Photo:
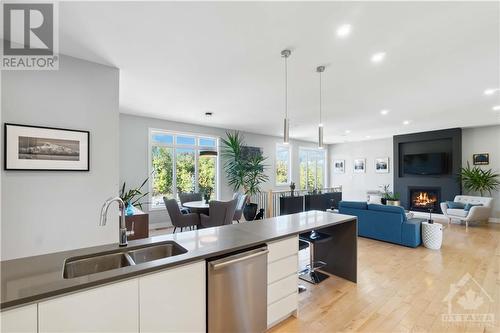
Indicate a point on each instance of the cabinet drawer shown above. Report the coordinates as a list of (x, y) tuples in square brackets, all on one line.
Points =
[(282, 288), (282, 248), (282, 268), (281, 309)]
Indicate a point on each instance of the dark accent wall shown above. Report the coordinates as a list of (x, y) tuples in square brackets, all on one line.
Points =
[(444, 141)]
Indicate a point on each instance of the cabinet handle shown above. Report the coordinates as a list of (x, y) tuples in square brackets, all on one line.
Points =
[(236, 260)]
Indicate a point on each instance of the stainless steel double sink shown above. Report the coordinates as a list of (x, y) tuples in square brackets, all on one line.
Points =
[(101, 262)]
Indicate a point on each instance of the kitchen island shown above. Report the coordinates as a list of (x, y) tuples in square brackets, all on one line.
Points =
[(33, 281)]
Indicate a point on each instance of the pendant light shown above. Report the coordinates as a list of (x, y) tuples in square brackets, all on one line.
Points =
[(286, 123), (320, 69)]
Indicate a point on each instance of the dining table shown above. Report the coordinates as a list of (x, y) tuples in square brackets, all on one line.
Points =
[(197, 206)]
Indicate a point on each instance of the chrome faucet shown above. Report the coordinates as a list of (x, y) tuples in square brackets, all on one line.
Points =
[(123, 233)]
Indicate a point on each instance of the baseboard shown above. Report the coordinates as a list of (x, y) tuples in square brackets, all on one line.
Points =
[(160, 225), (494, 220)]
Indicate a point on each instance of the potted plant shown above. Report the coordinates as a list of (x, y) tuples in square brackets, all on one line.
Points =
[(243, 172), (206, 192), (392, 199), (132, 197), (479, 180), (385, 194), (292, 189)]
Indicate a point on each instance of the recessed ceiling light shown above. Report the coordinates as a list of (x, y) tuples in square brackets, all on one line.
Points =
[(496, 108), (406, 122), (368, 136), (384, 112), (344, 30), (491, 91), (378, 57), (347, 131)]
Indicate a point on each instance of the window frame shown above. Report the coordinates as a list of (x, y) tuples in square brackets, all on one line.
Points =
[(289, 164), (196, 147), (325, 168)]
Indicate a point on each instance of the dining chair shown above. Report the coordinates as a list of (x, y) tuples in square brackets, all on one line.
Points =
[(220, 213), (180, 220), (241, 199), (187, 197)]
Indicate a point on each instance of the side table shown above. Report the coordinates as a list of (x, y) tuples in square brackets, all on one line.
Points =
[(432, 235)]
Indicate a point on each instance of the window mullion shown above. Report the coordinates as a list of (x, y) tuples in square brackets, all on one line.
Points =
[(196, 182)]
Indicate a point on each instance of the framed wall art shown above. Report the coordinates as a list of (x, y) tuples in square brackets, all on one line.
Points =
[(45, 148)]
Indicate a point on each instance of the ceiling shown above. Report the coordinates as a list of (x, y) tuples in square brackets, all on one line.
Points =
[(180, 60)]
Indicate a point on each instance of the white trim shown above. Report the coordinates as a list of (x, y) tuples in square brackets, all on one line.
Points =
[(289, 163), (494, 220)]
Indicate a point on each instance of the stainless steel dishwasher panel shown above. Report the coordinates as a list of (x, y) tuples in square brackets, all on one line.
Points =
[(237, 293)]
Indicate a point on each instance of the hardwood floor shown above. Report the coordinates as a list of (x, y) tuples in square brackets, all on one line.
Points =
[(401, 289)]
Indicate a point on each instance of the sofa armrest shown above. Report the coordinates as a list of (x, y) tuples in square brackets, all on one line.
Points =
[(479, 213), (410, 232), (444, 208)]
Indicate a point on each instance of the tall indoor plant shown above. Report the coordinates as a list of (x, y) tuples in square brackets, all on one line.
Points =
[(243, 172), (479, 180)]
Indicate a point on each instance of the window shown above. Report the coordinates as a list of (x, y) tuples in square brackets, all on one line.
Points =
[(282, 166), (181, 163), (312, 168)]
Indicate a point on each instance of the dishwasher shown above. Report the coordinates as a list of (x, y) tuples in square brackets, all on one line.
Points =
[(237, 292)]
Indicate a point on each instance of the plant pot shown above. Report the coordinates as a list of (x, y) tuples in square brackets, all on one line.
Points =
[(250, 211), (383, 201), (393, 203)]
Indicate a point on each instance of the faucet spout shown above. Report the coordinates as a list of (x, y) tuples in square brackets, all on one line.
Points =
[(122, 231)]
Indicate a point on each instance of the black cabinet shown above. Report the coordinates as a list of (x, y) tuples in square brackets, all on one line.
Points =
[(323, 201), (291, 205)]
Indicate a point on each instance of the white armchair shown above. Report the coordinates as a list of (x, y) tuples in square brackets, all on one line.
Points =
[(475, 214)]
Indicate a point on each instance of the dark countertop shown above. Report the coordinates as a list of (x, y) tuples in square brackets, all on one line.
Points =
[(32, 279)]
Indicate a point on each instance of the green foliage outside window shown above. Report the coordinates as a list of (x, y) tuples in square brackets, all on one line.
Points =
[(206, 174), (281, 172), (162, 167), (185, 171)]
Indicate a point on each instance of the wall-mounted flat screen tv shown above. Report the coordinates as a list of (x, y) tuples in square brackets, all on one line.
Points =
[(426, 164)]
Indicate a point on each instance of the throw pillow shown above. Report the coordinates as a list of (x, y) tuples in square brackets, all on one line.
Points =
[(469, 206), (455, 205)]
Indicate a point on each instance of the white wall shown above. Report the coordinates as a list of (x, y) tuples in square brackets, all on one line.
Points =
[(484, 140), (355, 185), (46, 212), (134, 153)]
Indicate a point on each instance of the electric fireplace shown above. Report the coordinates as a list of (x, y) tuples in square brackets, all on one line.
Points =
[(423, 199)]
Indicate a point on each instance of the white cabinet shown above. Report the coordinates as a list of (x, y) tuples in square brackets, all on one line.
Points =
[(282, 280), (109, 308), (23, 319), (174, 300)]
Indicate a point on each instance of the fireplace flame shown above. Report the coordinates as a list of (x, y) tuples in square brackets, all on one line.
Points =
[(423, 199)]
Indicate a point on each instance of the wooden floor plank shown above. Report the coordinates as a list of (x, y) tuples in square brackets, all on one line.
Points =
[(401, 289)]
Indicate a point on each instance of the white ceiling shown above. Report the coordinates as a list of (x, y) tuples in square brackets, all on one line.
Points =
[(179, 60)]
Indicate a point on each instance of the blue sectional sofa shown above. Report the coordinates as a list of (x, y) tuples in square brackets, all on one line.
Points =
[(385, 223)]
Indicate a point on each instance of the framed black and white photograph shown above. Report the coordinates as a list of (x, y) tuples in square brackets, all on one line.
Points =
[(359, 165), (382, 165), (45, 148), (481, 159), (338, 166)]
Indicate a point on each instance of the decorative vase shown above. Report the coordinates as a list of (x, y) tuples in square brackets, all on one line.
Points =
[(393, 203), (383, 201), (207, 199), (129, 211), (250, 211)]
